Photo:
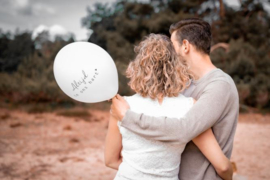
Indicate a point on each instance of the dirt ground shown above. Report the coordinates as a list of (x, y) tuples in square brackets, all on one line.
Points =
[(50, 146)]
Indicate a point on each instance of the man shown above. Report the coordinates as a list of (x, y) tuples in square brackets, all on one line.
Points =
[(217, 105)]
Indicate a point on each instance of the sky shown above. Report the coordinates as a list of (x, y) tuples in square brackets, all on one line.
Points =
[(56, 16)]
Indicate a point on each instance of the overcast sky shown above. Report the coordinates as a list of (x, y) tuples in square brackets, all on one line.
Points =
[(29, 14)]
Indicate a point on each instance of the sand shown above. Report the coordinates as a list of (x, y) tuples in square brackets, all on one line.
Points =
[(49, 146)]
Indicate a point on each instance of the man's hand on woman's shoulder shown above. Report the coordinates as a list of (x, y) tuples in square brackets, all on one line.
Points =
[(119, 107)]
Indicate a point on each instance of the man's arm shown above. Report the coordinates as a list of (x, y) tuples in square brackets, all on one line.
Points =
[(209, 108)]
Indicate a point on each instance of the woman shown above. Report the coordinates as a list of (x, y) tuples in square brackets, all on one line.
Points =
[(158, 77)]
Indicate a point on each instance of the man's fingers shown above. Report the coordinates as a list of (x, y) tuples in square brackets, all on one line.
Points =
[(120, 97), (114, 99)]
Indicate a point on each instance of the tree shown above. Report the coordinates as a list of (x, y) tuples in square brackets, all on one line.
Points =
[(14, 50)]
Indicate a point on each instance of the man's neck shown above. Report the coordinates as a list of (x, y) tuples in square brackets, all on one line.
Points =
[(200, 65)]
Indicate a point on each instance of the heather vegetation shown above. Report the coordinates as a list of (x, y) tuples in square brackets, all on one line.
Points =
[(240, 47)]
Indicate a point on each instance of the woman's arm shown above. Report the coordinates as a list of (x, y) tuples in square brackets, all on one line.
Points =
[(113, 145), (209, 146)]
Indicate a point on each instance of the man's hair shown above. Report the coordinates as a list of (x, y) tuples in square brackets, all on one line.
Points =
[(196, 31)]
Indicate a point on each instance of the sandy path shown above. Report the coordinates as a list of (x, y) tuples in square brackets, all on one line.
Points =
[(252, 146), (47, 146)]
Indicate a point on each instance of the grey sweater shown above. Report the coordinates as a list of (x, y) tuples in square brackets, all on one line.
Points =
[(217, 106)]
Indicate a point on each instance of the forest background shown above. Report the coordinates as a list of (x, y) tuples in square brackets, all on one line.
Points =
[(240, 47)]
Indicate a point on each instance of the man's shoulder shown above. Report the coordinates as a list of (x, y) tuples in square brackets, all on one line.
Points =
[(219, 74), (225, 84), (222, 78)]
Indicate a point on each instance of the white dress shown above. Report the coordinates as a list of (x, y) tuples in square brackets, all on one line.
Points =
[(145, 159)]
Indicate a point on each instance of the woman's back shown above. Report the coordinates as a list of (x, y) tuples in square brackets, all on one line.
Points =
[(147, 159)]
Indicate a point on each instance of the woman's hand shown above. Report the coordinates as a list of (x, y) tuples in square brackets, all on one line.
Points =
[(210, 148)]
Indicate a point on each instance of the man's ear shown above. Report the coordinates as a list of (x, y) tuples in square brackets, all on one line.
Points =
[(185, 46)]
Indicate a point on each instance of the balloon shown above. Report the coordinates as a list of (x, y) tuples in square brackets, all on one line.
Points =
[(86, 72)]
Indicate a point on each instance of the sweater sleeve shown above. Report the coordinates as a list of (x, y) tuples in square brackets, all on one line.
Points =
[(210, 107)]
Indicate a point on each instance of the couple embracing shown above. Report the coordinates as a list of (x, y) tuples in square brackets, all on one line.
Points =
[(180, 123)]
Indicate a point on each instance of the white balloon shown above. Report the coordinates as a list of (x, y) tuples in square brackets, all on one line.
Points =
[(86, 72)]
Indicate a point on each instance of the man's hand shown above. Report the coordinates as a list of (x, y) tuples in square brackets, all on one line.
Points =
[(119, 107)]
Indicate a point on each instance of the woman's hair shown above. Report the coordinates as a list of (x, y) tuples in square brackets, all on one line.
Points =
[(157, 70)]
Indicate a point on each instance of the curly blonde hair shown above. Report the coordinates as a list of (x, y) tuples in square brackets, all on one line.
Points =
[(157, 71)]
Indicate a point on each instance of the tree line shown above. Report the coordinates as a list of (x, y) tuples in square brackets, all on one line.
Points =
[(240, 46)]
